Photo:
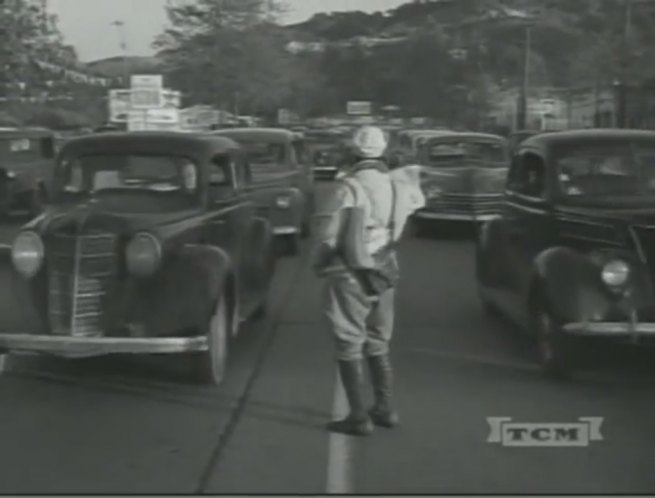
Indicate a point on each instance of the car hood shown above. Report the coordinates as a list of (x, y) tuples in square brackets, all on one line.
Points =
[(89, 217), (626, 216)]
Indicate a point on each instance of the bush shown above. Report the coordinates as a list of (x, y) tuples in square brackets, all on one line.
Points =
[(8, 120), (58, 119)]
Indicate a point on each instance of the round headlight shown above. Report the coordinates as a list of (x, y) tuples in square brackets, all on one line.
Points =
[(143, 255), (27, 253), (615, 273)]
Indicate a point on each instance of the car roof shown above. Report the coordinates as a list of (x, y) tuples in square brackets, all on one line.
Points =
[(165, 142), (572, 136), (276, 135), (469, 134), (12, 132)]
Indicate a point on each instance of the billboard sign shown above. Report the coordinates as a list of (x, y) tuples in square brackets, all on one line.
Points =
[(119, 105), (147, 81), (359, 108)]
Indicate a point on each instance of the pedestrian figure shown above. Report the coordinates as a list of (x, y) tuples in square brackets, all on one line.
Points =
[(356, 257)]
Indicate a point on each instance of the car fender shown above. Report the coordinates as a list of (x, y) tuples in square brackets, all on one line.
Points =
[(22, 301), (569, 283), (184, 293)]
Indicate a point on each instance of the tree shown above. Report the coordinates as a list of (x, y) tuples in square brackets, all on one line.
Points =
[(228, 53)]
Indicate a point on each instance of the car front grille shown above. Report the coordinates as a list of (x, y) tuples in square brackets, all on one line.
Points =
[(467, 204), (80, 272)]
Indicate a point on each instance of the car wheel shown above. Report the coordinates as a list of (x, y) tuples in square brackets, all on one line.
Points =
[(488, 307), (553, 350), (306, 229), (213, 362), (292, 244)]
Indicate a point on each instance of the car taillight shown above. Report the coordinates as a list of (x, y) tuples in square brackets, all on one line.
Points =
[(143, 255), (27, 253), (283, 202)]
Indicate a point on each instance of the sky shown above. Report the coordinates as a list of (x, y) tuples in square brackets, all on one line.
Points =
[(87, 24)]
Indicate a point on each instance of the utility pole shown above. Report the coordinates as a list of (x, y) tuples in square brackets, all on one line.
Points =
[(622, 84), (120, 26), (522, 114)]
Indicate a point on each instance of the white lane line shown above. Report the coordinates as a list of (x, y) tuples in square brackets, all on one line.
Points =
[(477, 359), (340, 448)]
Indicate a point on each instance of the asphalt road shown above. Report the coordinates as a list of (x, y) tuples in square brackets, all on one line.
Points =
[(140, 425)]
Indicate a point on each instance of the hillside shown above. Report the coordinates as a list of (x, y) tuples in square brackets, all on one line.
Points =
[(114, 67)]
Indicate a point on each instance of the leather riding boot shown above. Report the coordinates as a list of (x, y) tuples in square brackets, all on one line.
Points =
[(358, 422), (382, 413)]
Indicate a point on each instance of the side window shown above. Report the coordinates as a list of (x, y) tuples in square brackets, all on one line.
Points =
[(221, 177), (528, 175), (241, 170)]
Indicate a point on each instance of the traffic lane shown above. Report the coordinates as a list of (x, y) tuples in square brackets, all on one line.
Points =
[(280, 444), (456, 367), (125, 424)]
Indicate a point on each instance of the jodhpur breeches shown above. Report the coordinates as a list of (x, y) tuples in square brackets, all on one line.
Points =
[(361, 327)]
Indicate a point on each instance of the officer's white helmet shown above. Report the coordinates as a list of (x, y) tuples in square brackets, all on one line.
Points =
[(369, 142)]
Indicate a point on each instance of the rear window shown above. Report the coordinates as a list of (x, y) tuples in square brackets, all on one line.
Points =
[(26, 149), (440, 153), (266, 159)]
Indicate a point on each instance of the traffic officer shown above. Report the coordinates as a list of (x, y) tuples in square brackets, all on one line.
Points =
[(361, 320)]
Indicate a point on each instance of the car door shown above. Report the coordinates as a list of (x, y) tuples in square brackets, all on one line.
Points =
[(528, 218), (226, 208)]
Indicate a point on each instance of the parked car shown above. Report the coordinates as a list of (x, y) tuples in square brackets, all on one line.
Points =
[(27, 158), (572, 256), (328, 152), (463, 177), (283, 181), (151, 244)]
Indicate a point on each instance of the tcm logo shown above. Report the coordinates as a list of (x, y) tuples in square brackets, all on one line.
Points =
[(509, 433)]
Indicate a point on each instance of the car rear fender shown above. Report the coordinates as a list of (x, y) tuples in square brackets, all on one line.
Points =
[(489, 249)]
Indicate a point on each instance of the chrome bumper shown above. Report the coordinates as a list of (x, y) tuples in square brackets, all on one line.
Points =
[(454, 217), (285, 230), (99, 346), (610, 328)]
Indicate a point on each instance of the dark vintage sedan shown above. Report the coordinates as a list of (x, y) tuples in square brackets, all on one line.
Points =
[(27, 157), (151, 244), (572, 255), (283, 181), (463, 177)]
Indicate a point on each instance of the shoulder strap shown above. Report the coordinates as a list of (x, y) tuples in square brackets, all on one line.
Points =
[(392, 218)]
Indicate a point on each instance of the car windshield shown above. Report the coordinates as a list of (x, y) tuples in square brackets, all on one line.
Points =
[(455, 152), (128, 172), (617, 171)]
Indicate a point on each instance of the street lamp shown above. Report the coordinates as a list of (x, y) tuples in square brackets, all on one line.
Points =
[(120, 27)]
